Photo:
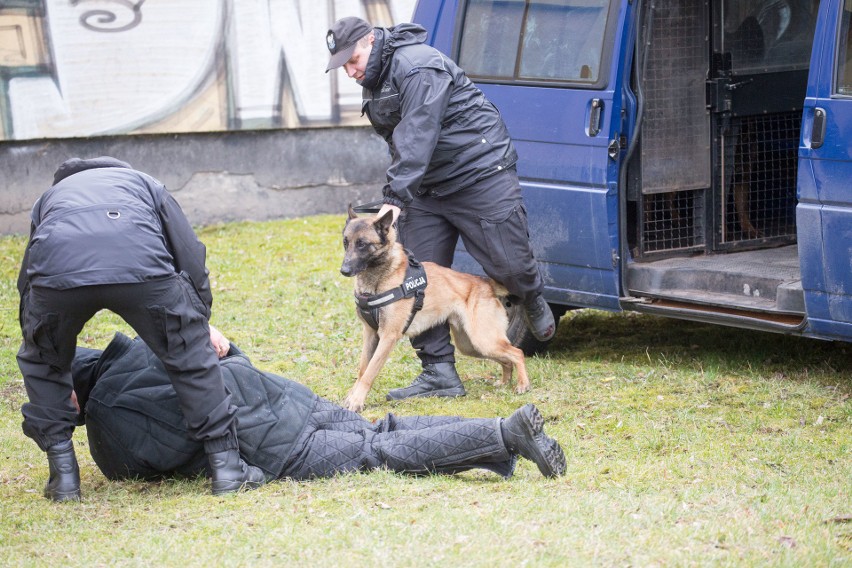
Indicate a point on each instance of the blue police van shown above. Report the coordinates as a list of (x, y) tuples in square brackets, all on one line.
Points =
[(685, 158)]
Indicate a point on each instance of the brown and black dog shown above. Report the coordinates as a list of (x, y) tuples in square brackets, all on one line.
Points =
[(471, 305)]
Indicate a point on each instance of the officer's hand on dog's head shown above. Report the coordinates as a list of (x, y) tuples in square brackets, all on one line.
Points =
[(388, 207)]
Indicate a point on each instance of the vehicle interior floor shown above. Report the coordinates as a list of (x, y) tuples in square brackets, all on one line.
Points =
[(766, 280)]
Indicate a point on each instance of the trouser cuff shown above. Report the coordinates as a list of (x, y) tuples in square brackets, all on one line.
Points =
[(48, 443), (225, 443), (429, 360)]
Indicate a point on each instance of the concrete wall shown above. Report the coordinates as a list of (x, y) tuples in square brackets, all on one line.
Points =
[(216, 177)]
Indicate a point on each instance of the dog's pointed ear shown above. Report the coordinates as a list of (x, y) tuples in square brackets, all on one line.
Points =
[(352, 214), (385, 221)]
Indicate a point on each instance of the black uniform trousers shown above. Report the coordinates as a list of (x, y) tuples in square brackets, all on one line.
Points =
[(167, 314), (491, 220), (336, 440)]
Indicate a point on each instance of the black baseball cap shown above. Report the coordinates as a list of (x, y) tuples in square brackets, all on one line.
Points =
[(342, 38)]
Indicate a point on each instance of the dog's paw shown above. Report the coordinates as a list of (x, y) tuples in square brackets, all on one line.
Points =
[(353, 403), (521, 389), (493, 379)]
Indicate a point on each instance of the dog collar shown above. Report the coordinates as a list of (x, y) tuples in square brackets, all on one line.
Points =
[(414, 285)]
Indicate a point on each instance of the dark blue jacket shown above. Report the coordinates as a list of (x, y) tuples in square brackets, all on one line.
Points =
[(103, 222), (443, 134)]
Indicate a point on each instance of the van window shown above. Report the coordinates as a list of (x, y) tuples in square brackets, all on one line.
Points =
[(844, 63), (769, 35), (534, 40)]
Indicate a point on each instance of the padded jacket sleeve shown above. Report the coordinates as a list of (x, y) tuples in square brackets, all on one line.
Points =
[(189, 253), (424, 95), (23, 279)]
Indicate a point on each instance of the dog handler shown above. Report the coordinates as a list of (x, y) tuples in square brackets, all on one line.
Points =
[(106, 236), (136, 426), (452, 174)]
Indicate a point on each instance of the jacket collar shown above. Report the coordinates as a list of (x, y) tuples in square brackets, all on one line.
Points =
[(116, 349), (376, 62), (387, 41), (77, 165)]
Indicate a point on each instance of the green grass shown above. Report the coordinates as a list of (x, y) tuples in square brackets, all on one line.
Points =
[(687, 444)]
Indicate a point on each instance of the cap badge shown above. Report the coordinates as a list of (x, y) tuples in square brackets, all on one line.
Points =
[(329, 39)]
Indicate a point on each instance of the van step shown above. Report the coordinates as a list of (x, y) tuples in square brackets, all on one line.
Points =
[(760, 281), (736, 317)]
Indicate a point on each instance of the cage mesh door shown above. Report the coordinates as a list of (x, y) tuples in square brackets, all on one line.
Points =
[(676, 128), (676, 158), (759, 184)]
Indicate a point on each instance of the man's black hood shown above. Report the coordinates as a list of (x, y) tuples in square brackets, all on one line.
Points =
[(403, 34), (77, 165)]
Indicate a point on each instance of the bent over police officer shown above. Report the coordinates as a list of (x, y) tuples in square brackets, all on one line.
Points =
[(106, 236)]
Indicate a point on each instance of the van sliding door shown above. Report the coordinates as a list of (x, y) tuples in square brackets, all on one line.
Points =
[(546, 64)]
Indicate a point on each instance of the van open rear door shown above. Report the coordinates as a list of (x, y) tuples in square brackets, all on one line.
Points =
[(824, 212), (548, 66)]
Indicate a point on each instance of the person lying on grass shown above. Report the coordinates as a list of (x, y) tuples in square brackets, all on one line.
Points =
[(136, 429)]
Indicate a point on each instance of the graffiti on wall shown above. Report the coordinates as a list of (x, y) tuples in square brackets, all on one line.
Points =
[(71, 68)]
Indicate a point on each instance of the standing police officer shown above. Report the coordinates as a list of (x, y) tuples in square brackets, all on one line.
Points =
[(452, 175), (105, 236)]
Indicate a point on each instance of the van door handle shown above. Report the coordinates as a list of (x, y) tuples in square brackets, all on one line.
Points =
[(818, 128), (595, 117)]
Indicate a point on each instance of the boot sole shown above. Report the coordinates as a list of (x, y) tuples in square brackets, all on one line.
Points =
[(548, 333), (62, 497), (549, 458), (222, 488), (448, 393)]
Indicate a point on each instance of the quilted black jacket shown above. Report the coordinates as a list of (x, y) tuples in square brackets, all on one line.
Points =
[(136, 428), (444, 135)]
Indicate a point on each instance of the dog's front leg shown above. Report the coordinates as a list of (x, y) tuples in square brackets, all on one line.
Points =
[(370, 340), (358, 393)]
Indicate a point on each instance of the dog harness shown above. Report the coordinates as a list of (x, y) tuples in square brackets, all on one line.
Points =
[(414, 286)]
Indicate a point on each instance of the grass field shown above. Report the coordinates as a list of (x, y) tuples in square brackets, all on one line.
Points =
[(687, 444)]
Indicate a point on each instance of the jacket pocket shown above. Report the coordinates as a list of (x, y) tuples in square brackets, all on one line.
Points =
[(170, 326), (191, 291), (386, 111), (40, 330)]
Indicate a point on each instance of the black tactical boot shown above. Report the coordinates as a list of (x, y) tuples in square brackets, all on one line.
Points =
[(437, 379), (539, 319), (523, 433), (64, 481), (230, 473)]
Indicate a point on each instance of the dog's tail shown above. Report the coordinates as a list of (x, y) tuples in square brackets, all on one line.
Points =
[(499, 290)]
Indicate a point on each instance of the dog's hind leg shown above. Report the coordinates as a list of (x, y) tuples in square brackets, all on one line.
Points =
[(510, 356), (507, 373), (493, 344)]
